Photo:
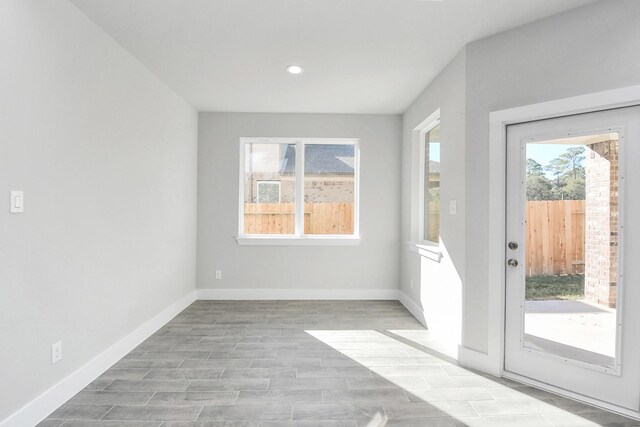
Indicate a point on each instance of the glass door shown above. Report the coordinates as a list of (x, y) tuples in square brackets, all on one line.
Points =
[(568, 299)]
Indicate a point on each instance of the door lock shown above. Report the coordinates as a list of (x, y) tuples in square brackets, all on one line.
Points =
[(513, 246), (512, 262)]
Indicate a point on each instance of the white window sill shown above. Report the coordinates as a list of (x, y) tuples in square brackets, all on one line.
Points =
[(298, 241), (427, 250)]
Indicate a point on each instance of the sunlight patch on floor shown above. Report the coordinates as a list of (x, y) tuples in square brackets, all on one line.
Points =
[(404, 365)]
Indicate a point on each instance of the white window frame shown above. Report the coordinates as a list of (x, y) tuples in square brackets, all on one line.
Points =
[(299, 238), (424, 171), (418, 244), (268, 182)]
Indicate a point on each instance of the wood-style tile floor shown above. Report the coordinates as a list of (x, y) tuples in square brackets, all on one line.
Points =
[(307, 363)]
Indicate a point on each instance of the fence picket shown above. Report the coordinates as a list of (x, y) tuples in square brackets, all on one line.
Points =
[(279, 218), (555, 237)]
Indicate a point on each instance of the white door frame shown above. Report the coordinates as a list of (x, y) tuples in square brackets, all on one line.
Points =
[(499, 120)]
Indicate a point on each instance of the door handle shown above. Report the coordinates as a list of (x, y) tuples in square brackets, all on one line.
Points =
[(512, 262), (513, 246)]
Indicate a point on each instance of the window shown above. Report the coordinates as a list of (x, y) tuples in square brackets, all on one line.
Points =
[(425, 187), (297, 189), (431, 185), (268, 191)]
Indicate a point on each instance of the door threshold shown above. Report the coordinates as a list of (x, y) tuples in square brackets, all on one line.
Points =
[(573, 396)]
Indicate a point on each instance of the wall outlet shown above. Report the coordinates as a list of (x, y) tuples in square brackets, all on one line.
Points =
[(218, 274), (411, 283), (56, 352), (17, 202)]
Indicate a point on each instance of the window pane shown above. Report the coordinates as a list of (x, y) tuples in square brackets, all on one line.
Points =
[(268, 191), (329, 184), (431, 186), (571, 283), (269, 188)]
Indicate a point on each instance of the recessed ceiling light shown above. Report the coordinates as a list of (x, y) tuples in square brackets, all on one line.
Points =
[(294, 69)]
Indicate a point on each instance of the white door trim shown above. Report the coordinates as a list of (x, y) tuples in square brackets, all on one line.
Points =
[(498, 121)]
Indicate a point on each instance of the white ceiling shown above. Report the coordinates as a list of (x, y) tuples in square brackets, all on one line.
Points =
[(360, 56)]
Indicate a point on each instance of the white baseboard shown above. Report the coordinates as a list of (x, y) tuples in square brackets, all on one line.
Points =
[(297, 294), (413, 308), (477, 360), (40, 407)]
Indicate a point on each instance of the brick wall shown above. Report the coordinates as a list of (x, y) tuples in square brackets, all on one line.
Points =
[(319, 189), (287, 186), (601, 223)]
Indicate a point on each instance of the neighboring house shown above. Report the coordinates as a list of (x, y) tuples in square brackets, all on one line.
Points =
[(329, 174)]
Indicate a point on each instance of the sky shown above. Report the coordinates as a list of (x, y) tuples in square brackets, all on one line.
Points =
[(434, 151), (544, 153), (541, 153)]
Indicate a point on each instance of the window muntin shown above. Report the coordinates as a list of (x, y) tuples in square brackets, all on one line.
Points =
[(318, 187)]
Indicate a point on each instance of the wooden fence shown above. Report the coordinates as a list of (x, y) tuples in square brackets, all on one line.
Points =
[(555, 229), (555, 237), (433, 222), (279, 218)]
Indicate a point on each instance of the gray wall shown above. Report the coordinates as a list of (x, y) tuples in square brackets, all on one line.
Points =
[(585, 50), (437, 286), (371, 265), (107, 156)]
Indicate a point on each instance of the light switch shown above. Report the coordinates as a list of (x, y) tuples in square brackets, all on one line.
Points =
[(453, 207), (17, 201)]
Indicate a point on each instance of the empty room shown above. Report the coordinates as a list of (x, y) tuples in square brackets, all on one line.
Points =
[(306, 213)]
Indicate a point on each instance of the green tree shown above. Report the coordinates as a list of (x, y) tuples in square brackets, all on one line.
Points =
[(573, 158), (568, 177), (568, 174), (538, 185), (558, 167), (534, 168), (434, 194), (574, 186)]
